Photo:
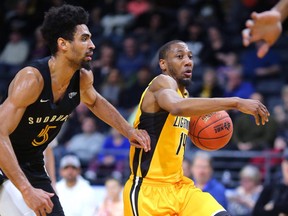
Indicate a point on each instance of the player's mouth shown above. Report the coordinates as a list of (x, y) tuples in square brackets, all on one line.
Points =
[(89, 56), (188, 73)]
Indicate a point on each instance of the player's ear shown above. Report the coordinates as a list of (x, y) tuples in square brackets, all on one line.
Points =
[(62, 43), (162, 64)]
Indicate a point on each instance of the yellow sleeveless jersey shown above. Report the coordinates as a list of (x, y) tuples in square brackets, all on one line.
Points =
[(168, 134)]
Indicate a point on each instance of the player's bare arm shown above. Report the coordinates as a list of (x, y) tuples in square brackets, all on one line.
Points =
[(106, 112), (23, 91), (164, 91)]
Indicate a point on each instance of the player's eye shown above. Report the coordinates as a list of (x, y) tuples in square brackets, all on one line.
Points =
[(85, 38), (180, 56)]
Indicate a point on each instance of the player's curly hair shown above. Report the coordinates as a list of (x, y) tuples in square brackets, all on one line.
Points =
[(166, 47), (62, 22)]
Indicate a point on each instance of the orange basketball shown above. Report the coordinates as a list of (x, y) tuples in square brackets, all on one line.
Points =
[(211, 131)]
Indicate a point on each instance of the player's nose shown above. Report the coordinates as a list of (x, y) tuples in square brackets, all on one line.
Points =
[(91, 45), (188, 61)]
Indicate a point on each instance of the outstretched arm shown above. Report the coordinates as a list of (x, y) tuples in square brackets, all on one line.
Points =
[(23, 91), (106, 112), (164, 90), (265, 27)]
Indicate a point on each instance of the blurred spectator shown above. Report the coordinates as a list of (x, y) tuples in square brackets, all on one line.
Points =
[(196, 42), (257, 69), (273, 200), (76, 195), (183, 19), (157, 28), (236, 86), (88, 143), (280, 113), (112, 204), (130, 60), (15, 53), (246, 137), (73, 125), (95, 26), (219, 49), (210, 86), (112, 87), (269, 161), (130, 95), (39, 48), (112, 159), (138, 7), (202, 173), (242, 199), (102, 66), (115, 23), (209, 11), (18, 18), (186, 165)]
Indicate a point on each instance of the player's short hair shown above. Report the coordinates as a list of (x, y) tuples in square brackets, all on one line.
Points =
[(166, 47), (61, 22)]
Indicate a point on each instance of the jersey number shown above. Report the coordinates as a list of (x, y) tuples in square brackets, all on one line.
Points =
[(44, 135), (182, 142)]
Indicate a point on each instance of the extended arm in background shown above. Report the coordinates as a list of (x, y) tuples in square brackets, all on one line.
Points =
[(265, 27)]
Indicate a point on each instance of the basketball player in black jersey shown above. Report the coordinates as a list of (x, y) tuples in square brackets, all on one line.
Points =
[(39, 100)]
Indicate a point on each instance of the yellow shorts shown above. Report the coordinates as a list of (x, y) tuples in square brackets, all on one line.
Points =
[(155, 199)]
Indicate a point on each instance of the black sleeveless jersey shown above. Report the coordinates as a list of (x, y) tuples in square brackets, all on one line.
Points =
[(43, 119)]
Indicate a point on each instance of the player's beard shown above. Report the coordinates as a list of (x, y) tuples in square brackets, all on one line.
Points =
[(86, 65), (185, 82)]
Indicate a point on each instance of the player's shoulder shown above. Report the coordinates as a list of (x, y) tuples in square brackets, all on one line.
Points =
[(30, 75), (26, 86), (163, 81)]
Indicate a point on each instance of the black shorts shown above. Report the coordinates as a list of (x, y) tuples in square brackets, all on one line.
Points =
[(37, 176)]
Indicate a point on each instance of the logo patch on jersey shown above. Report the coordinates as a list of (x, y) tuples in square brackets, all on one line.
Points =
[(72, 94), (43, 100)]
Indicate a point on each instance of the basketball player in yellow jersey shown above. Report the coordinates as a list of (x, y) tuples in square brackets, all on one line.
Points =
[(157, 185)]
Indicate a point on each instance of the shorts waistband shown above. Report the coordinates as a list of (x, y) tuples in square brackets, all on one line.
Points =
[(141, 180)]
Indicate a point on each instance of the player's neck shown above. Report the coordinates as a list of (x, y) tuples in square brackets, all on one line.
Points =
[(61, 71)]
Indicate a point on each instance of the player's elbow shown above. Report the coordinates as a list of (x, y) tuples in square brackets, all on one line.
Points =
[(176, 110)]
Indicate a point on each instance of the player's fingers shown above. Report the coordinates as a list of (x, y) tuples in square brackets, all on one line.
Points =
[(142, 140), (246, 37), (257, 118), (49, 206), (42, 212), (137, 145), (254, 15), (249, 23), (264, 114), (263, 50), (147, 139)]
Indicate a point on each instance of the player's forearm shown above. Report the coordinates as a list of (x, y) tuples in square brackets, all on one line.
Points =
[(108, 113), (9, 165), (200, 106), (282, 8)]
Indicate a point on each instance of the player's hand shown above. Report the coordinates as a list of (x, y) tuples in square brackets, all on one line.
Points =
[(255, 108), (140, 139), (39, 201), (265, 27)]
